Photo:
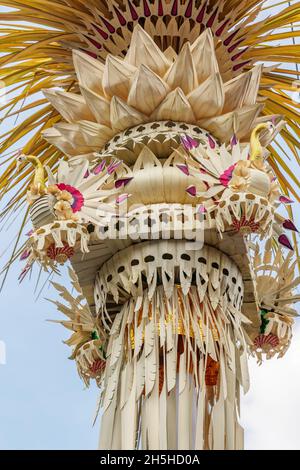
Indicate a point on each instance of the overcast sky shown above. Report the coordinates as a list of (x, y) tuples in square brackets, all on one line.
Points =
[(43, 403)]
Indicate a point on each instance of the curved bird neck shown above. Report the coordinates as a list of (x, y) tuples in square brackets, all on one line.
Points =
[(34, 161)]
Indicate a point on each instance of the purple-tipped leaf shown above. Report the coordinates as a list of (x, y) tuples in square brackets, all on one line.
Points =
[(113, 166), (283, 240), (122, 182), (233, 141), (25, 255), (184, 169), (192, 191), (122, 198), (289, 225), (211, 142), (285, 199), (188, 142), (192, 142), (24, 272), (99, 168)]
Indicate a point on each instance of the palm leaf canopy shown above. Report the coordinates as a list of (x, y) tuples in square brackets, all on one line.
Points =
[(37, 39)]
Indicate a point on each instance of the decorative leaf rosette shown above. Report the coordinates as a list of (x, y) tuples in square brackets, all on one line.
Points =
[(273, 339), (91, 361), (275, 290), (82, 190), (241, 193), (88, 340), (76, 196), (57, 242)]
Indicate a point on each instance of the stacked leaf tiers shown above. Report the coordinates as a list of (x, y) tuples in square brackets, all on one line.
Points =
[(161, 185)]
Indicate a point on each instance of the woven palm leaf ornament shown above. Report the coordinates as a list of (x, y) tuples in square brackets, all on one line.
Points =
[(158, 171)]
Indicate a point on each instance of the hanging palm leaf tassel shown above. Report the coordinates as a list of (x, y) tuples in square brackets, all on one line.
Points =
[(172, 381)]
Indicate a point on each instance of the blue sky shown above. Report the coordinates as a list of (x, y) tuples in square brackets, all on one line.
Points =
[(44, 405)]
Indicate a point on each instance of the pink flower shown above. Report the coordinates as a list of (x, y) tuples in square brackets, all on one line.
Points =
[(78, 199), (226, 177)]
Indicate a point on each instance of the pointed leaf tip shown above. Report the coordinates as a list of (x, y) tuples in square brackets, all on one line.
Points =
[(283, 240), (233, 141), (122, 182), (188, 142), (285, 200), (289, 225), (184, 169), (192, 191), (122, 198), (211, 142), (99, 168), (24, 255), (113, 166)]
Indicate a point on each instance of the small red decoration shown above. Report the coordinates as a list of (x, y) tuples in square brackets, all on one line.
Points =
[(266, 340), (60, 254), (97, 368), (226, 177), (245, 225), (78, 199)]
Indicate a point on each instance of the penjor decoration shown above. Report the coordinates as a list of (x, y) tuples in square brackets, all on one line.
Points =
[(158, 174)]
